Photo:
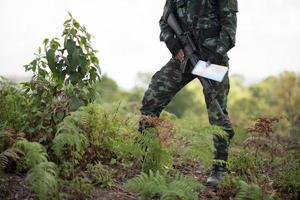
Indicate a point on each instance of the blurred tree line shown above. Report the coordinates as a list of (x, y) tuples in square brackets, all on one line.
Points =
[(276, 96)]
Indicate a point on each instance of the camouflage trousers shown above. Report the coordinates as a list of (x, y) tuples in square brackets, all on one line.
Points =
[(164, 85)]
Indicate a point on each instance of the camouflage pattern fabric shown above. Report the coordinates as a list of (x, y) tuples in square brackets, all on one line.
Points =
[(167, 82), (213, 24)]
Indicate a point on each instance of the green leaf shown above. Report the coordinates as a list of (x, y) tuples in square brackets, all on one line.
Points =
[(70, 15), (54, 44), (75, 103), (58, 117), (33, 65), (76, 24), (95, 60), (70, 45), (50, 56), (67, 21), (75, 78), (73, 32), (46, 41)]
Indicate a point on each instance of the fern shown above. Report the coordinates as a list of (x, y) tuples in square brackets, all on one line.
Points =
[(100, 175), (34, 154), (148, 185), (89, 127), (155, 156), (70, 146), (251, 192), (157, 184), (41, 179), (13, 154)]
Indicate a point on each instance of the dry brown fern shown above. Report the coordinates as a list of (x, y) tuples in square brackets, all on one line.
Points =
[(164, 129)]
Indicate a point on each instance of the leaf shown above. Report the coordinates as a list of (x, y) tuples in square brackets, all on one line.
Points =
[(33, 65), (67, 21), (76, 24), (73, 32), (54, 44), (95, 60), (59, 116), (50, 56), (46, 41), (70, 15), (83, 40), (75, 103), (70, 45)]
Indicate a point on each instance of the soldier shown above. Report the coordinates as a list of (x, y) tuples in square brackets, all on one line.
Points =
[(213, 27)]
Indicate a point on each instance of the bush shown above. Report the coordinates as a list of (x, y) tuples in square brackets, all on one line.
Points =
[(13, 108), (64, 77)]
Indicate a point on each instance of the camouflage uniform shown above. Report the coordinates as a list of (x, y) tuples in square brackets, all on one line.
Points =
[(213, 24)]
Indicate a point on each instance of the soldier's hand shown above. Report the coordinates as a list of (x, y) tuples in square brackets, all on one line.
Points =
[(180, 55)]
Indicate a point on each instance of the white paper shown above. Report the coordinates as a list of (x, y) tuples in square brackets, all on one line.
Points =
[(212, 71)]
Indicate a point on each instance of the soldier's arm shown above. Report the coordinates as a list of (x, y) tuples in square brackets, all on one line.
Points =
[(227, 10), (168, 36)]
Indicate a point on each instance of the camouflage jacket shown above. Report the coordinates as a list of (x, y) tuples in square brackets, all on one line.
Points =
[(213, 21)]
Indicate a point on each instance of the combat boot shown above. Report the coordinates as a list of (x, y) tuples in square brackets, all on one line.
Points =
[(216, 176)]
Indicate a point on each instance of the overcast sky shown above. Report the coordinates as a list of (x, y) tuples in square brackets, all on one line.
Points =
[(127, 35)]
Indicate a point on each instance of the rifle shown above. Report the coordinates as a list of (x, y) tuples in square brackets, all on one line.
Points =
[(191, 53)]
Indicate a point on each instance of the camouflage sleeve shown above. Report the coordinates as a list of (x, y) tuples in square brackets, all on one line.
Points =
[(165, 30), (227, 10)]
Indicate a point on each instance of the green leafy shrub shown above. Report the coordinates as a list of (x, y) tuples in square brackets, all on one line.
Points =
[(42, 179), (163, 186), (64, 76), (13, 108), (251, 192), (74, 61), (101, 175)]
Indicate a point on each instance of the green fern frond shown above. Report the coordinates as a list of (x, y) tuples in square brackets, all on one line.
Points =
[(155, 156), (251, 192), (68, 143), (157, 184), (148, 185), (42, 179), (34, 153)]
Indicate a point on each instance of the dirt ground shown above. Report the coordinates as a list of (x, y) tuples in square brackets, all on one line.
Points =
[(18, 191)]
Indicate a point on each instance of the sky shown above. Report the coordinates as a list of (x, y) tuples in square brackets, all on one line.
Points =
[(127, 35)]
